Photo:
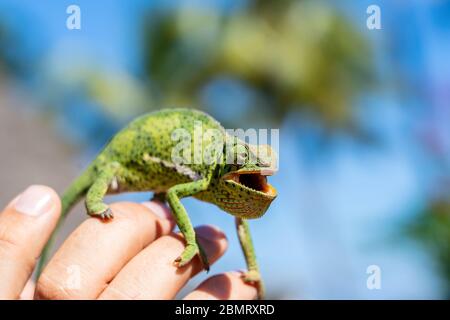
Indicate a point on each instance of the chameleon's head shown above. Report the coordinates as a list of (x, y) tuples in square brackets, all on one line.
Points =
[(243, 189)]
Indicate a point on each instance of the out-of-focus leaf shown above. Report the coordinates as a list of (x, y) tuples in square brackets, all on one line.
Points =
[(297, 56), (432, 228)]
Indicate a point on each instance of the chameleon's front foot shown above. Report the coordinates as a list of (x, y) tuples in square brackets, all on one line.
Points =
[(101, 210), (190, 251), (254, 277)]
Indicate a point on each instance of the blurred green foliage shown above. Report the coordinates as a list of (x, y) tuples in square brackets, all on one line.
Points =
[(432, 228), (294, 55)]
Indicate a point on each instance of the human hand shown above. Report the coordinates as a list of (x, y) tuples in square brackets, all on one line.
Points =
[(130, 257)]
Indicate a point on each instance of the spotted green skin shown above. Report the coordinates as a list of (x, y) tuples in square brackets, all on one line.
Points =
[(139, 158), (150, 136)]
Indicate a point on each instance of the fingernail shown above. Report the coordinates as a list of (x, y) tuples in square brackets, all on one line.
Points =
[(238, 271), (158, 209), (34, 201)]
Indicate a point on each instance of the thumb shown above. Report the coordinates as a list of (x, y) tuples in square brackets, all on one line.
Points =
[(25, 226)]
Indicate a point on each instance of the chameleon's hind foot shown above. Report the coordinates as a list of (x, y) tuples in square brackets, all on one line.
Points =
[(251, 276), (189, 253), (106, 215), (254, 277), (101, 211)]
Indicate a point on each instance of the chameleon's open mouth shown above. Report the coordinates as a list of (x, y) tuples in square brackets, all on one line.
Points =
[(254, 180)]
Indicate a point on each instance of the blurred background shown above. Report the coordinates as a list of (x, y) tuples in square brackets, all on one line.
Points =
[(363, 116)]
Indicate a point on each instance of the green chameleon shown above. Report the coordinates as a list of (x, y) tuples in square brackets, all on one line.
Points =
[(141, 158)]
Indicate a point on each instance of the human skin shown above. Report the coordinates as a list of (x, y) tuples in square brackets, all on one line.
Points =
[(130, 258)]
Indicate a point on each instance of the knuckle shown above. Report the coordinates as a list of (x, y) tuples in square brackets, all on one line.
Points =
[(131, 214), (14, 250), (11, 244), (10, 238), (125, 209), (13, 254), (9, 247)]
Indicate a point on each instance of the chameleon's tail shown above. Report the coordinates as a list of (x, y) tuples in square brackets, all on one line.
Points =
[(71, 196)]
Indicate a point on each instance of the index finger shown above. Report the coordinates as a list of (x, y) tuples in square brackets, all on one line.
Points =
[(97, 250)]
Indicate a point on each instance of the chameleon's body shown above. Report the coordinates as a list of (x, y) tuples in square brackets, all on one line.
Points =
[(140, 158)]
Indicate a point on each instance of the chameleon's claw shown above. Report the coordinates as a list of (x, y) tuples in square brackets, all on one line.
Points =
[(108, 214), (251, 276), (186, 257), (254, 277), (177, 262), (104, 215), (189, 253), (100, 210)]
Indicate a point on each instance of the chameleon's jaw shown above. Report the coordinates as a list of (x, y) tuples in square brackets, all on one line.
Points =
[(245, 193), (254, 180)]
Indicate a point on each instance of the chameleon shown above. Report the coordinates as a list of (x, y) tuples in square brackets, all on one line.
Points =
[(140, 157)]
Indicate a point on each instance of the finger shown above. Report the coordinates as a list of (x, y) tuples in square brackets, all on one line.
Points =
[(152, 273), (226, 286), (25, 226), (96, 251)]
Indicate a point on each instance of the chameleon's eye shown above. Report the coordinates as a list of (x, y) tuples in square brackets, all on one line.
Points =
[(242, 157)]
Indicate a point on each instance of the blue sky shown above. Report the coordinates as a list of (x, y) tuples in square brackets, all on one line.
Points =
[(335, 215)]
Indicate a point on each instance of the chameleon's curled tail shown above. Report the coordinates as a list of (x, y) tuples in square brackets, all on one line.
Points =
[(71, 196)]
